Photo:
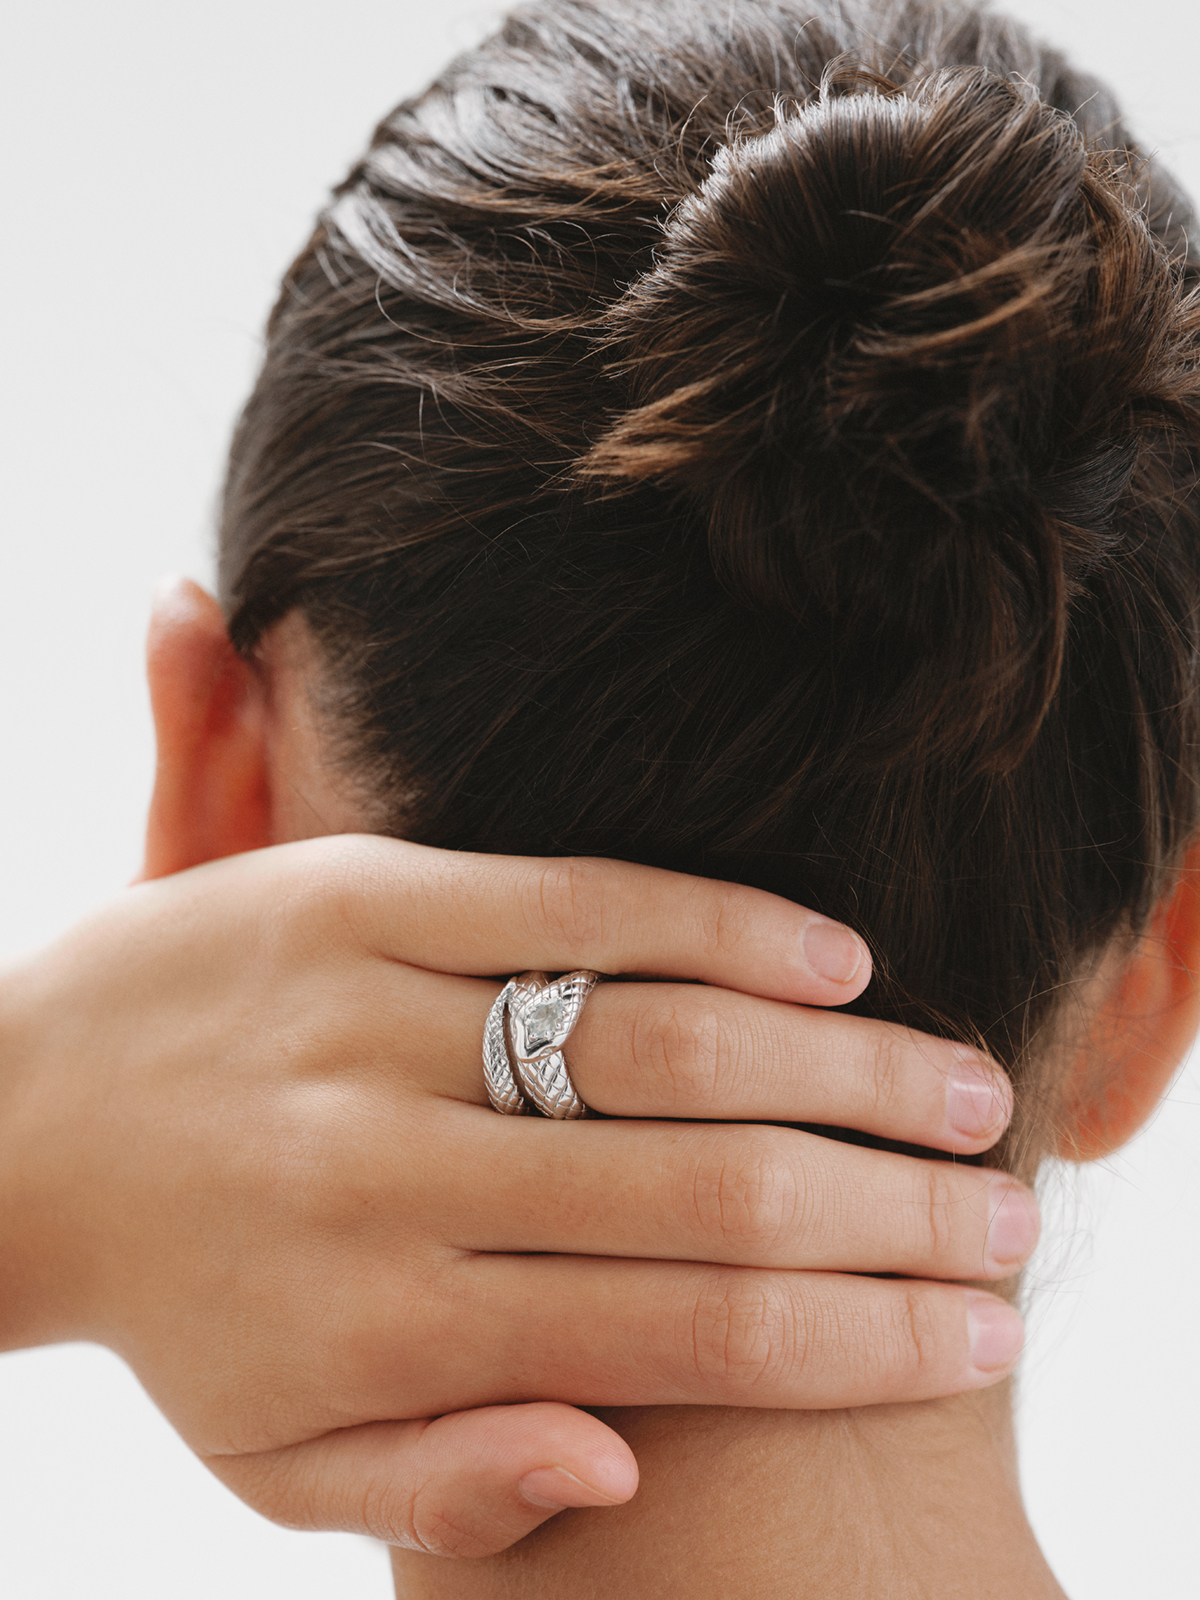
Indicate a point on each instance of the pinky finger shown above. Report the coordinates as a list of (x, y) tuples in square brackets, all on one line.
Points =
[(470, 1483)]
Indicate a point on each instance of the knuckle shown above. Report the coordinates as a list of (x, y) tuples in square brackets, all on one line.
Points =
[(886, 1064), (323, 886), (726, 924), (423, 1521), (938, 1220), (328, 894), (569, 902), (741, 1338), (914, 1333), (746, 1197), (312, 1156), (362, 1336), (674, 1047)]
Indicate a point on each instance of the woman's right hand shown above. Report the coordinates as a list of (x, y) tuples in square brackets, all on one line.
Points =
[(245, 1141)]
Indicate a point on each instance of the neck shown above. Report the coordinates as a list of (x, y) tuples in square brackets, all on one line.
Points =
[(913, 1502)]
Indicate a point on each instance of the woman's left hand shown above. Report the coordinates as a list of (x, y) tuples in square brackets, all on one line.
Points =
[(244, 1141)]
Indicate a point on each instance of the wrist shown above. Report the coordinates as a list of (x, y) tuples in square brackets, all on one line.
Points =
[(36, 1284)]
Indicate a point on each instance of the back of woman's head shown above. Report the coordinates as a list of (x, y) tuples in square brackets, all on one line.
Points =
[(758, 439)]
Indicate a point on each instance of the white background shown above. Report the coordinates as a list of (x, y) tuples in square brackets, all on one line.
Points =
[(161, 164)]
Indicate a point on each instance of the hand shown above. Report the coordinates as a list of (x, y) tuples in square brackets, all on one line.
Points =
[(244, 1141)]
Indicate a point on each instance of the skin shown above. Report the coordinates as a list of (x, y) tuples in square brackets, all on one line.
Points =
[(354, 1261), (904, 1497), (910, 1500), (903, 1500), (244, 1142)]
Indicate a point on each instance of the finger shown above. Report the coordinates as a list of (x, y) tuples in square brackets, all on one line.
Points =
[(750, 1196), (456, 912), (469, 1483), (689, 1050), (599, 1333)]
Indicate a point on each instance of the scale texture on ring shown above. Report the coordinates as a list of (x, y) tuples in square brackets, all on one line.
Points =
[(541, 1017), (503, 1090)]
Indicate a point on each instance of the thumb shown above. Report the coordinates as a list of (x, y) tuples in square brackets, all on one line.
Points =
[(470, 1483)]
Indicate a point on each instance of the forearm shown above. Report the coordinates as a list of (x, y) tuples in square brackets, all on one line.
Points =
[(35, 1297)]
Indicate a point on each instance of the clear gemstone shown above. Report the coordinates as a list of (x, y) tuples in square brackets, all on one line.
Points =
[(543, 1020)]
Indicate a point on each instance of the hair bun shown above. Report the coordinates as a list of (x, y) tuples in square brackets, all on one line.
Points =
[(900, 352)]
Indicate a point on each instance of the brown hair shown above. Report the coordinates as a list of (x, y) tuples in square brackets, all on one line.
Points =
[(758, 439)]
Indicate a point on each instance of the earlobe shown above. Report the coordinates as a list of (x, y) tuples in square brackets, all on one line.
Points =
[(1143, 1032), (211, 790)]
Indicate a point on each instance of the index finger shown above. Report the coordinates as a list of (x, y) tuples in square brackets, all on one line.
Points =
[(478, 915)]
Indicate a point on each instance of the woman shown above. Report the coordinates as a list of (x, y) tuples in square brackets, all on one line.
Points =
[(283, 654), (174, 1068), (763, 444)]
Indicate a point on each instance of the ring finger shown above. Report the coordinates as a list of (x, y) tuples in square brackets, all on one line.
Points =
[(690, 1050), (694, 1051)]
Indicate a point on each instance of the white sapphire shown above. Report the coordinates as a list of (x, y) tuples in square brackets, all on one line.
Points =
[(543, 1022)]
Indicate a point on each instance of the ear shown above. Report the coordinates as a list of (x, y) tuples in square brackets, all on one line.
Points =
[(1143, 1032), (211, 789)]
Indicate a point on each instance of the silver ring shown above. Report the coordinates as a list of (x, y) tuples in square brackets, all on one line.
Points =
[(540, 1015), (503, 1089)]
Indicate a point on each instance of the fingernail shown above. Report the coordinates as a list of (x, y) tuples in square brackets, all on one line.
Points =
[(554, 1489), (832, 951), (1014, 1227), (996, 1333), (978, 1096)]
